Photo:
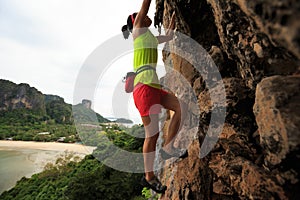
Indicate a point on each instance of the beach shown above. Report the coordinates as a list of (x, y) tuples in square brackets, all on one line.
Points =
[(48, 146), (20, 158)]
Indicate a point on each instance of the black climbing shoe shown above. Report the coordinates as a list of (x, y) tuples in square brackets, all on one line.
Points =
[(176, 153), (154, 184)]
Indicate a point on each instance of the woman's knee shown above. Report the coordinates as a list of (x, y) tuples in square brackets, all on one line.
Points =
[(171, 102)]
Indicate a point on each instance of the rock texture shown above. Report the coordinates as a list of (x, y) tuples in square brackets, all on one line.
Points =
[(28, 100), (13, 96), (277, 100), (256, 48)]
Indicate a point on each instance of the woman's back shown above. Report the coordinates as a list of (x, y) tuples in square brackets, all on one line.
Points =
[(145, 53)]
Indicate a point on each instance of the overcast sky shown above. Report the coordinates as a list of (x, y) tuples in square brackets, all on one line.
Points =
[(45, 42)]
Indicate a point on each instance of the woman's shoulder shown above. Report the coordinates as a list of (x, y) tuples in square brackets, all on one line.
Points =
[(140, 33)]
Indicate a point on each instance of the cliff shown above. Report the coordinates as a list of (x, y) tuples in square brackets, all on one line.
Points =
[(16, 97), (255, 46), (13, 96), (28, 100)]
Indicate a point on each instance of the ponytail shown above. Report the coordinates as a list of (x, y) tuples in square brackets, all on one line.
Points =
[(127, 29)]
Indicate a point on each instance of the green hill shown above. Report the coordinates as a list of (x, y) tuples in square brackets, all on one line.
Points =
[(25, 113)]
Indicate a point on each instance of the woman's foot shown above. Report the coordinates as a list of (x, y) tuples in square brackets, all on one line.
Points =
[(177, 153), (154, 184)]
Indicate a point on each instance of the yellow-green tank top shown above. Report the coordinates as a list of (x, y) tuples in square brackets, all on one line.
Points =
[(145, 53)]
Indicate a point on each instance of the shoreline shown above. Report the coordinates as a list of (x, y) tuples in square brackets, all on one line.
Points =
[(25, 158), (47, 146)]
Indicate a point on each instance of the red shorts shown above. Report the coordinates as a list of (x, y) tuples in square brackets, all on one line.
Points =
[(147, 99)]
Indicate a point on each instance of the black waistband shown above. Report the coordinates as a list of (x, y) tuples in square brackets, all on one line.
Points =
[(144, 68)]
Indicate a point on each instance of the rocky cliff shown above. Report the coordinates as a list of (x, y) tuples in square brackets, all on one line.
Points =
[(27, 100), (256, 48), (16, 96)]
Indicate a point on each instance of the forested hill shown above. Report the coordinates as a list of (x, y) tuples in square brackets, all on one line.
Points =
[(25, 111)]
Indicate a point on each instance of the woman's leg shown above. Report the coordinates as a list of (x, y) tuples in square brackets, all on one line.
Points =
[(170, 102), (151, 127)]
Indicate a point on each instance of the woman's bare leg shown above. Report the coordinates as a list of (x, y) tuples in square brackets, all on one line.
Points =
[(151, 127), (171, 102)]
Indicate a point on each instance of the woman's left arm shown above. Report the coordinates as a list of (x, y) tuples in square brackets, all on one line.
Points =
[(169, 32)]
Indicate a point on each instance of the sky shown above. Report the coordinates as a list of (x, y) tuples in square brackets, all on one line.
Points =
[(45, 43)]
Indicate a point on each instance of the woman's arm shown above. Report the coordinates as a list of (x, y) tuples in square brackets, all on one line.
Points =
[(140, 18), (169, 32)]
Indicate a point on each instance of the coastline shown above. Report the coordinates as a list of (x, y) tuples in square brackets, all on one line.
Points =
[(47, 146), (25, 158)]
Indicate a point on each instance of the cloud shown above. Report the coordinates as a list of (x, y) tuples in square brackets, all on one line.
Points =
[(45, 43)]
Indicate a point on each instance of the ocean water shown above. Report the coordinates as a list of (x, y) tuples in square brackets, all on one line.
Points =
[(15, 164)]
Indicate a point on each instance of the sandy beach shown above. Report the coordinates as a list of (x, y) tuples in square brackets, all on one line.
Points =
[(20, 158), (47, 146)]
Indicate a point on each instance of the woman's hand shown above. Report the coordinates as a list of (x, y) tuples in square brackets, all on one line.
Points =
[(169, 31), (172, 21)]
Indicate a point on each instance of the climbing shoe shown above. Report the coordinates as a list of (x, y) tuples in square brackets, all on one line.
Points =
[(154, 184), (176, 153)]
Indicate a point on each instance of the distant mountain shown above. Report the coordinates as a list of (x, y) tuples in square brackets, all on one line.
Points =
[(83, 114), (123, 121), (25, 101)]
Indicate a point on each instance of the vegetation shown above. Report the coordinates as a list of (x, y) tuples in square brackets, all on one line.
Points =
[(27, 125), (26, 114), (87, 179), (33, 125)]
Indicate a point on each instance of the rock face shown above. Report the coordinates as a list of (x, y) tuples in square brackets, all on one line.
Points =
[(277, 100), (13, 96), (87, 103), (256, 48)]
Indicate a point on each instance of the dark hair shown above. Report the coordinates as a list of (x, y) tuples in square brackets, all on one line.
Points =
[(127, 29)]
